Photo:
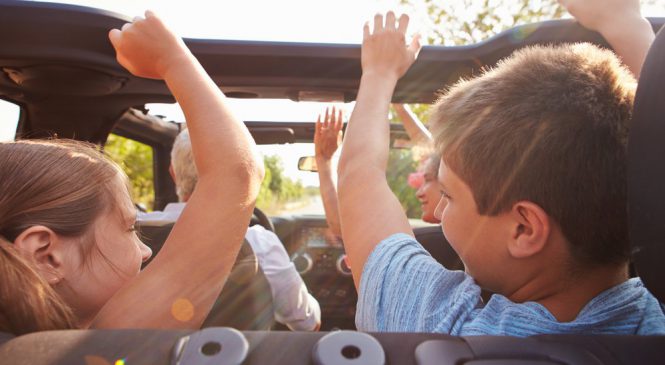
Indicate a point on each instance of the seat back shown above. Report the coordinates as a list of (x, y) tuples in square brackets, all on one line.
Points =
[(646, 173), (245, 302), (433, 240)]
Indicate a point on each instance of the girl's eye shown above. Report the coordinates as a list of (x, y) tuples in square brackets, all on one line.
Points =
[(443, 194)]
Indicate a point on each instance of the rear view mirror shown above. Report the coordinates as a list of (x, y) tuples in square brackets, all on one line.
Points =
[(307, 163)]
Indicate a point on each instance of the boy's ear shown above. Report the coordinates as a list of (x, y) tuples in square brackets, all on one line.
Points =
[(41, 246), (531, 229)]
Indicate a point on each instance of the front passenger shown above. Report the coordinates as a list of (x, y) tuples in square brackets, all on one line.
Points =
[(293, 305)]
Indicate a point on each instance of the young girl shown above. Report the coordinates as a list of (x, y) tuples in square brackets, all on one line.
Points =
[(67, 217)]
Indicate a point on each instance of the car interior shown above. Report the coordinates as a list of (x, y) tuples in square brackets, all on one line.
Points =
[(68, 84)]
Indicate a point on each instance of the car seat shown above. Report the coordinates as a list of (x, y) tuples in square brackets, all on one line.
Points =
[(245, 303), (646, 172), (434, 242)]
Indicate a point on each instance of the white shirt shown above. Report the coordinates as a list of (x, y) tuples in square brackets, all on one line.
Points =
[(294, 306)]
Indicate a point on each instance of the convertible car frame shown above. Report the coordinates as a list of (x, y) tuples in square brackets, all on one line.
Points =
[(58, 67)]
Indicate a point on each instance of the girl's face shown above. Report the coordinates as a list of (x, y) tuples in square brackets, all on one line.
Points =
[(114, 258), (429, 195)]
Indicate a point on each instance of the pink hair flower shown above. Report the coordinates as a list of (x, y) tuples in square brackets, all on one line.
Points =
[(416, 179)]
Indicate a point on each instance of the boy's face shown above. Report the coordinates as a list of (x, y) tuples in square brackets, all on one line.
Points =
[(479, 240)]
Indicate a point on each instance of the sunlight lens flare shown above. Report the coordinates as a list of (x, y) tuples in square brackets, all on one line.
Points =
[(182, 310), (519, 34)]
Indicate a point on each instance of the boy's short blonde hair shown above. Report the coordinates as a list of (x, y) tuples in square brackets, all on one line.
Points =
[(548, 125)]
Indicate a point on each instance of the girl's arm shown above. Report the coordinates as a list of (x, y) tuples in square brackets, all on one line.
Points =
[(180, 286)]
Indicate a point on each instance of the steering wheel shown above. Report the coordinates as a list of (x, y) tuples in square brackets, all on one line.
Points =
[(260, 218)]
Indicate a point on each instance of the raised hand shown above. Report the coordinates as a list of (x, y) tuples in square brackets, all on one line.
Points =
[(147, 48), (620, 22), (328, 133), (384, 49), (598, 15)]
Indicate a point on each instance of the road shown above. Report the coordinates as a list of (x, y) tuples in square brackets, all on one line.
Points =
[(313, 206)]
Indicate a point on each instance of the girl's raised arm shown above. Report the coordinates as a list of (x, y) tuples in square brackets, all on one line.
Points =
[(180, 286)]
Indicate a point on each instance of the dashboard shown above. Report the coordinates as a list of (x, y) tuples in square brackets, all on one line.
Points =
[(319, 257), (321, 261)]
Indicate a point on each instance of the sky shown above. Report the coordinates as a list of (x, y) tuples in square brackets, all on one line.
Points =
[(338, 21)]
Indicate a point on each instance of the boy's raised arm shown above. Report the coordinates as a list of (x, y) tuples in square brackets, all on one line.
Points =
[(187, 275), (369, 212), (622, 25)]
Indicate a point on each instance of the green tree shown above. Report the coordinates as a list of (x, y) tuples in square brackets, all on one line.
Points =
[(444, 24), (136, 160), (401, 163), (276, 188)]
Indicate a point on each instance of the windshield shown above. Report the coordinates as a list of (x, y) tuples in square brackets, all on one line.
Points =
[(288, 190), (285, 189), (9, 115)]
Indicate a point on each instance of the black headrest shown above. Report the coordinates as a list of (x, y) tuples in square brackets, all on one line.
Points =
[(646, 172)]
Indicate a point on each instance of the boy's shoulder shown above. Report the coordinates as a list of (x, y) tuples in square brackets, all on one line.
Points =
[(625, 309), (404, 289)]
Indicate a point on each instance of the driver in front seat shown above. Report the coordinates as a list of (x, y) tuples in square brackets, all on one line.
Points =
[(293, 305)]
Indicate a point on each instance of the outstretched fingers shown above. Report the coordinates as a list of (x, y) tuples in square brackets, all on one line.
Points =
[(390, 20), (317, 127), (326, 120), (333, 118), (403, 23), (415, 46), (340, 120), (378, 22)]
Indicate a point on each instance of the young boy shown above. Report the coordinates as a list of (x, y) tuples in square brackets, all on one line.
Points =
[(533, 177)]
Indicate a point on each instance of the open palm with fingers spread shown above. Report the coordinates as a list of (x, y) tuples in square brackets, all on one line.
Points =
[(327, 135)]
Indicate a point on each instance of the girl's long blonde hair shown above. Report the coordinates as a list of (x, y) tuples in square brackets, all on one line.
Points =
[(27, 302)]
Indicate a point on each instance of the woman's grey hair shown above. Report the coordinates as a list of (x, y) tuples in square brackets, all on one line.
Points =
[(184, 168)]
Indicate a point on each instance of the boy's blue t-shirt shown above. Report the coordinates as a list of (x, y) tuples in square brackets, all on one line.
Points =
[(403, 289)]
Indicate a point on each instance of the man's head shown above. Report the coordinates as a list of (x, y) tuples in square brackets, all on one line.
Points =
[(548, 127), (183, 169)]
